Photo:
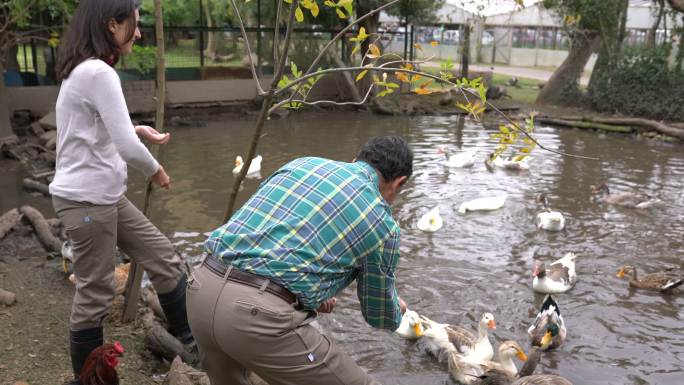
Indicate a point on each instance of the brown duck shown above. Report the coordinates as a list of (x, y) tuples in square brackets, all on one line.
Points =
[(662, 281), (626, 199)]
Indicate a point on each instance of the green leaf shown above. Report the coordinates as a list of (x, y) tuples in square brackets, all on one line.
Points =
[(361, 75), (392, 85)]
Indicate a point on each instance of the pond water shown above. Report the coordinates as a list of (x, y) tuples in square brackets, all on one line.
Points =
[(480, 261)]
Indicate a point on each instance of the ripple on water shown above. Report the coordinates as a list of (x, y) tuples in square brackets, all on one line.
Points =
[(480, 261)]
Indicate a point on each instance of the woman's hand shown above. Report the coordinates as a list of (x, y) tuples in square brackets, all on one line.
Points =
[(161, 179), (151, 135)]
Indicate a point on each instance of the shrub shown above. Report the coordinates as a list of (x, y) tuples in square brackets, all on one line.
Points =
[(642, 84)]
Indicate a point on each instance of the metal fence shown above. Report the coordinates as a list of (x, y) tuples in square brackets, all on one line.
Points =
[(193, 53)]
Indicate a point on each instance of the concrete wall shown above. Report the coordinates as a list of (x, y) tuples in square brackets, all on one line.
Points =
[(140, 94)]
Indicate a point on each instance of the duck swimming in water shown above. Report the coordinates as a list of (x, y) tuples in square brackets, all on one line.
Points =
[(558, 278)]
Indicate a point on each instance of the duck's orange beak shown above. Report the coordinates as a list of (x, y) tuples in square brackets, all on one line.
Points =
[(546, 340), (491, 324), (521, 355), (418, 330)]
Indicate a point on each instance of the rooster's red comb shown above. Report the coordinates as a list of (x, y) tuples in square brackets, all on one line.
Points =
[(118, 347)]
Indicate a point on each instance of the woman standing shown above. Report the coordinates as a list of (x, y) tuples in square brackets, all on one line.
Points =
[(95, 141)]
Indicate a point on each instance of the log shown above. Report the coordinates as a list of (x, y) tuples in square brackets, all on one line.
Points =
[(149, 296), (42, 228), (160, 341), (8, 220), (31, 184), (7, 298), (673, 129), (584, 124)]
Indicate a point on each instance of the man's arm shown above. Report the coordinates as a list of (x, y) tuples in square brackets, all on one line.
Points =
[(376, 289)]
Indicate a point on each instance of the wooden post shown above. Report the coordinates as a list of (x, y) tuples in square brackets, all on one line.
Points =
[(136, 273), (465, 50)]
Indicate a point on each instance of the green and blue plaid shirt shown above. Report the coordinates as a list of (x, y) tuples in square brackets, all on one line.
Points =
[(314, 226)]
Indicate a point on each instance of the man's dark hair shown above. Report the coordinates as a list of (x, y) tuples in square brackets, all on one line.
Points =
[(390, 155), (89, 35)]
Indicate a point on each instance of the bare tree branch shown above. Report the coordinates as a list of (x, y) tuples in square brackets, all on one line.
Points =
[(276, 33), (249, 49), (473, 93)]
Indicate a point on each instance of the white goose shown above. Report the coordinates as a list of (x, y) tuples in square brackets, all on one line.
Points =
[(254, 167), (558, 278), (466, 372), (483, 204), (411, 326), (517, 163), (547, 219), (474, 349), (463, 159), (430, 221)]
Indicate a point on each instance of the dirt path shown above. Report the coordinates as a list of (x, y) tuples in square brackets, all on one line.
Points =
[(35, 330), (521, 72)]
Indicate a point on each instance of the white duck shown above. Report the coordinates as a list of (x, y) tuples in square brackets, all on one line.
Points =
[(547, 219), (463, 159), (558, 278), (430, 221), (254, 167), (466, 372), (411, 326), (517, 163), (474, 349), (483, 204)]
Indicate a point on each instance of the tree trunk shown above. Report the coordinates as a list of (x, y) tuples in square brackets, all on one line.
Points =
[(5, 124), (612, 35), (570, 71), (210, 52), (651, 36), (161, 66)]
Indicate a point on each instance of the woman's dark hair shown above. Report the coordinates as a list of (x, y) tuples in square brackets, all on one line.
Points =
[(89, 35), (390, 155)]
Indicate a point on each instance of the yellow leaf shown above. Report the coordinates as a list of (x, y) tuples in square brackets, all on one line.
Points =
[(402, 77), (374, 50), (407, 66), (361, 75), (314, 9), (340, 14), (356, 49), (418, 47), (434, 43), (422, 91), (525, 150), (299, 15), (416, 77)]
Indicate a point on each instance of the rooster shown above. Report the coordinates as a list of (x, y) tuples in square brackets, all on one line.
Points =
[(100, 366)]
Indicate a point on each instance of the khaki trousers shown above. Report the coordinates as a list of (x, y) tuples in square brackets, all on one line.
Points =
[(95, 231), (239, 328)]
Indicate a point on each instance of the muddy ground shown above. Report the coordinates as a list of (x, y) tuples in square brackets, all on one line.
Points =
[(34, 331)]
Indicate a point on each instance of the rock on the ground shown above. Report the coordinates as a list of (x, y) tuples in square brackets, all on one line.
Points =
[(49, 121), (7, 298)]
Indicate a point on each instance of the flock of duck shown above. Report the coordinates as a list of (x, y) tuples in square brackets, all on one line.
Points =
[(469, 356)]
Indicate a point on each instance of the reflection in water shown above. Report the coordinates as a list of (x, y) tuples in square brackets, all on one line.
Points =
[(481, 261)]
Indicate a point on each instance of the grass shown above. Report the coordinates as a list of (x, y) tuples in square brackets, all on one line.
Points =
[(526, 90)]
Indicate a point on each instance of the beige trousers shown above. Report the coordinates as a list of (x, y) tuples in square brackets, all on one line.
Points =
[(95, 231), (239, 328)]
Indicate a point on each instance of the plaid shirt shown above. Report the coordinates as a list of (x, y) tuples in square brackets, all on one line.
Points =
[(313, 227)]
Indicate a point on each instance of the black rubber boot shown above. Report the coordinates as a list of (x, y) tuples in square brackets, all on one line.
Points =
[(173, 304), (81, 343)]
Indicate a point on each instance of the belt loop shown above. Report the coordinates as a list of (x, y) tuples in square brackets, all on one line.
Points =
[(263, 286), (227, 274)]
